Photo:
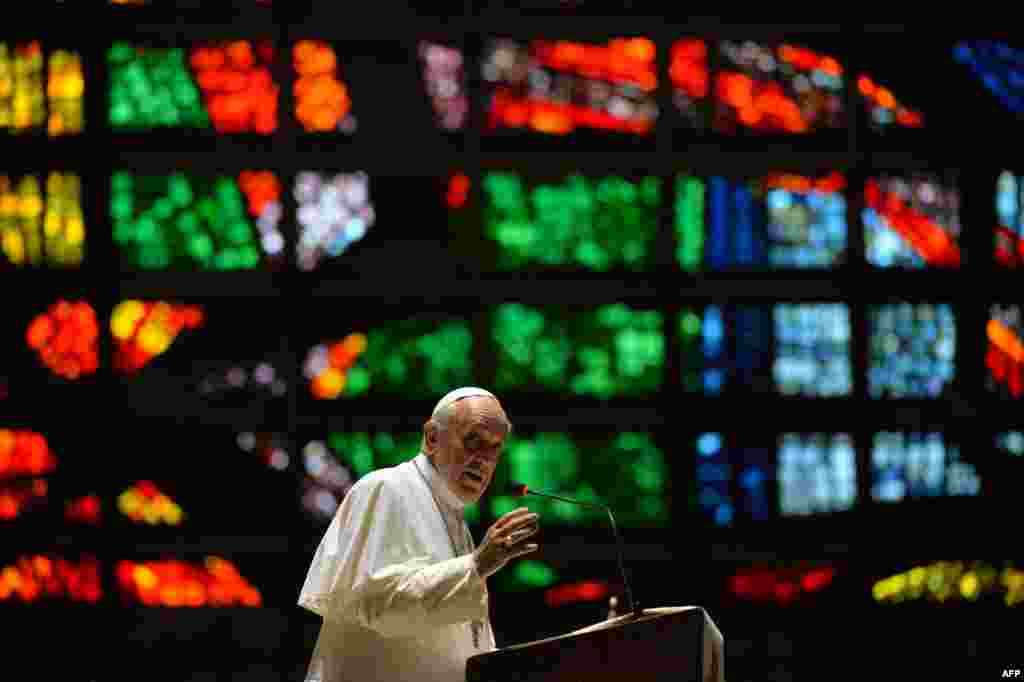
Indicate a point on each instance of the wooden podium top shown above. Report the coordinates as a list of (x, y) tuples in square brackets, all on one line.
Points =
[(659, 642), (647, 614)]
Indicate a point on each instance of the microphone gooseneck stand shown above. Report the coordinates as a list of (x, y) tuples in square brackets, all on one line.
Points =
[(633, 606)]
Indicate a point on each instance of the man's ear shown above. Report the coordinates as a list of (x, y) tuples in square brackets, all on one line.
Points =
[(430, 437)]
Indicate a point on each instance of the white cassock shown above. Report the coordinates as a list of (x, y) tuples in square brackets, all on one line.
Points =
[(397, 603)]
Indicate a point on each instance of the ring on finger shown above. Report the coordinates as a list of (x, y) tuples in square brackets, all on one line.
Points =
[(513, 538)]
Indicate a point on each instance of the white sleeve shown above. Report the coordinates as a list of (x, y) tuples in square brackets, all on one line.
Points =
[(370, 568)]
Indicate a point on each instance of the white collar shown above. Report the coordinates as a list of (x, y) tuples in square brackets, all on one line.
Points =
[(438, 484)]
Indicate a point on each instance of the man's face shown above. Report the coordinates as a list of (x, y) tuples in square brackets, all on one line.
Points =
[(467, 452)]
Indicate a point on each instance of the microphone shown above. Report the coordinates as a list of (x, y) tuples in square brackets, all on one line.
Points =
[(520, 489)]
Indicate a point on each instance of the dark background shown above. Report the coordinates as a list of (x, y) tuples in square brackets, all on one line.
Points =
[(116, 430)]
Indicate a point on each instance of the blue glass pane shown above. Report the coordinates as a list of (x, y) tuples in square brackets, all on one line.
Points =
[(713, 480), (777, 221), (999, 67), (812, 350), (912, 350), (817, 473), (918, 465)]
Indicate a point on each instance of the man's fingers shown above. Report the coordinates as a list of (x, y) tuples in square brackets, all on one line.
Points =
[(524, 522), (522, 533), (526, 549), (512, 516)]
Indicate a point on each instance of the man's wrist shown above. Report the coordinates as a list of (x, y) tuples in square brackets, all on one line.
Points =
[(476, 565)]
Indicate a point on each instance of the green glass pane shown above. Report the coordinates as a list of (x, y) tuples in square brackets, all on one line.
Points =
[(590, 223), (121, 206), (202, 246), (614, 350), (362, 452), (689, 222), (153, 258), (121, 113), (535, 574), (188, 223), (239, 233), (119, 53), (419, 356), (188, 217), (358, 381), (354, 450), (626, 471), (503, 505), (124, 232), (147, 230), (248, 257), (691, 348), (121, 182), (162, 209), (152, 87)]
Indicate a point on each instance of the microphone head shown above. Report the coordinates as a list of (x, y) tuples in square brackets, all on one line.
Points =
[(517, 489)]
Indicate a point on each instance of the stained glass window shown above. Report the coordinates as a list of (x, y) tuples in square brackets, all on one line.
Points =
[(817, 473), (612, 351), (26, 461), (734, 477), (691, 79), (198, 222), (689, 209), (1004, 357), (1011, 442), (219, 359), (1009, 234), (778, 89), (912, 350), (911, 222), (41, 220), (175, 583), (334, 464), (334, 212), (65, 338), (812, 349), (626, 471), (228, 85), (444, 78), (421, 355), (736, 341), (323, 101), (945, 582), (48, 578), (885, 112), (41, 89), (595, 223), (997, 65), (780, 220), (556, 87), (915, 465)]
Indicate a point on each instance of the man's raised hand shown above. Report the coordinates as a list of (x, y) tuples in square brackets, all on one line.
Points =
[(504, 541)]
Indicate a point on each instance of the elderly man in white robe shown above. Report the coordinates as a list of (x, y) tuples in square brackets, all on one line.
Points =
[(396, 579), (400, 587)]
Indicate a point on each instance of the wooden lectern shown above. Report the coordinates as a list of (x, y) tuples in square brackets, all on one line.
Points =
[(659, 644)]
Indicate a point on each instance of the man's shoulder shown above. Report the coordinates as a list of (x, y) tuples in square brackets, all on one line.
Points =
[(386, 490), (385, 480)]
